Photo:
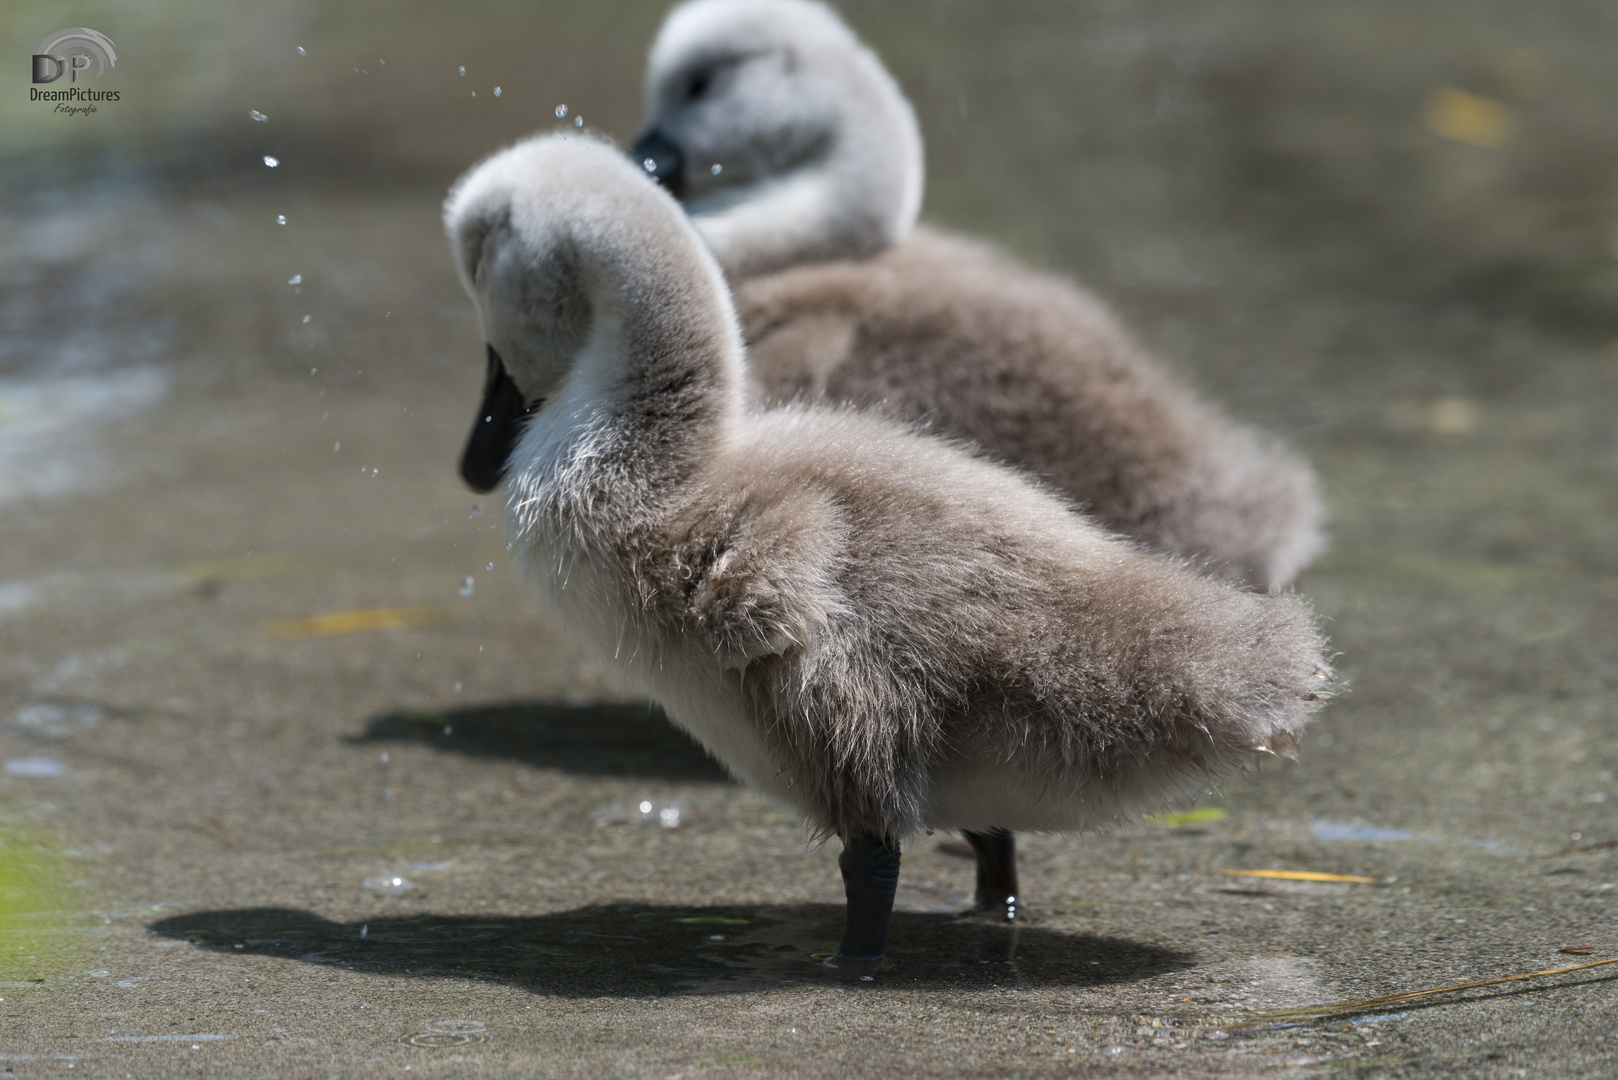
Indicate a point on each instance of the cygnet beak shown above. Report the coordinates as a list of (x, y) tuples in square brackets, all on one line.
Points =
[(494, 434), (660, 156)]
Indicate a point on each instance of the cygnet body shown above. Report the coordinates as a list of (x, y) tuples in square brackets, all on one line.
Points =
[(801, 163), (876, 627)]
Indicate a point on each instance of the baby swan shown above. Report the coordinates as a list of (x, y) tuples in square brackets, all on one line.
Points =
[(800, 160), (870, 625)]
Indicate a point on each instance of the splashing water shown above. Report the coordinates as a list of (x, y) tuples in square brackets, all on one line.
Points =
[(489, 567), (466, 585), (477, 509), (295, 279), (497, 91), (256, 115), (717, 169), (649, 165), (463, 71), (301, 52), (306, 318), (280, 219), (271, 162), (561, 111)]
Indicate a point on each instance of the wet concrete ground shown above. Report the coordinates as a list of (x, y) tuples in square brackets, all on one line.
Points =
[(284, 797)]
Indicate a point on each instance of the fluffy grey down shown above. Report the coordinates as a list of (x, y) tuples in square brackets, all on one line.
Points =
[(877, 626)]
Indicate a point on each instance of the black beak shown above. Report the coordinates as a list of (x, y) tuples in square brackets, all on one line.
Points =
[(494, 435), (662, 160)]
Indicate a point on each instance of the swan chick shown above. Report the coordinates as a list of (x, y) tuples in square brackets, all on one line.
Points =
[(841, 299), (873, 626)]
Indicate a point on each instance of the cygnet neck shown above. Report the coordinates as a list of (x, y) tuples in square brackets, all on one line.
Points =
[(857, 199), (657, 383)]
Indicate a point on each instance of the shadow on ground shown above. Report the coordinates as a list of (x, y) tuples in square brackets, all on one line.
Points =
[(638, 950), (593, 740)]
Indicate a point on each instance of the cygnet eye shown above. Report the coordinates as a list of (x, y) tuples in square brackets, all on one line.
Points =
[(698, 85)]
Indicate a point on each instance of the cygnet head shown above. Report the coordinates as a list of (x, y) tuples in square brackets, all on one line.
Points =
[(786, 137), (578, 264)]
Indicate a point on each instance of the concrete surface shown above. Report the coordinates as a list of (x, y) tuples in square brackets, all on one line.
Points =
[(238, 843)]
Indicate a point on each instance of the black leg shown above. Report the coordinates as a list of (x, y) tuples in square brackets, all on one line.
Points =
[(870, 876), (997, 872)]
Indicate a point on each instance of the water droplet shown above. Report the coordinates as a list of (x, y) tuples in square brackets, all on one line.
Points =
[(649, 165), (280, 219), (474, 93), (477, 509), (392, 884), (383, 758), (489, 567), (301, 52), (669, 817), (457, 688), (508, 544), (466, 585), (313, 370), (365, 928), (646, 807), (497, 91), (578, 121), (256, 115), (336, 446), (561, 111), (271, 162), (295, 279), (463, 71), (717, 169), (306, 318)]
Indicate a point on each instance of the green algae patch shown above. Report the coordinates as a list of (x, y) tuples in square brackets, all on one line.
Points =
[(1189, 817), (36, 938)]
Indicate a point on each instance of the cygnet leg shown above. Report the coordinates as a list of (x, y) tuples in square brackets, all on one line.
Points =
[(997, 872), (870, 876)]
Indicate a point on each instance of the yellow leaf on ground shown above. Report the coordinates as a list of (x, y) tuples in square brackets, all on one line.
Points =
[(355, 622), (1468, 118), (1301, 875)]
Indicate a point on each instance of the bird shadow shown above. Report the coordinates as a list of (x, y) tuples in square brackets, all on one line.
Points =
[(633, 950), (605, 739)]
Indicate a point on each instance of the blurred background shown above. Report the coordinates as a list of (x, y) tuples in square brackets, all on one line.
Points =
[(258, 645)]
